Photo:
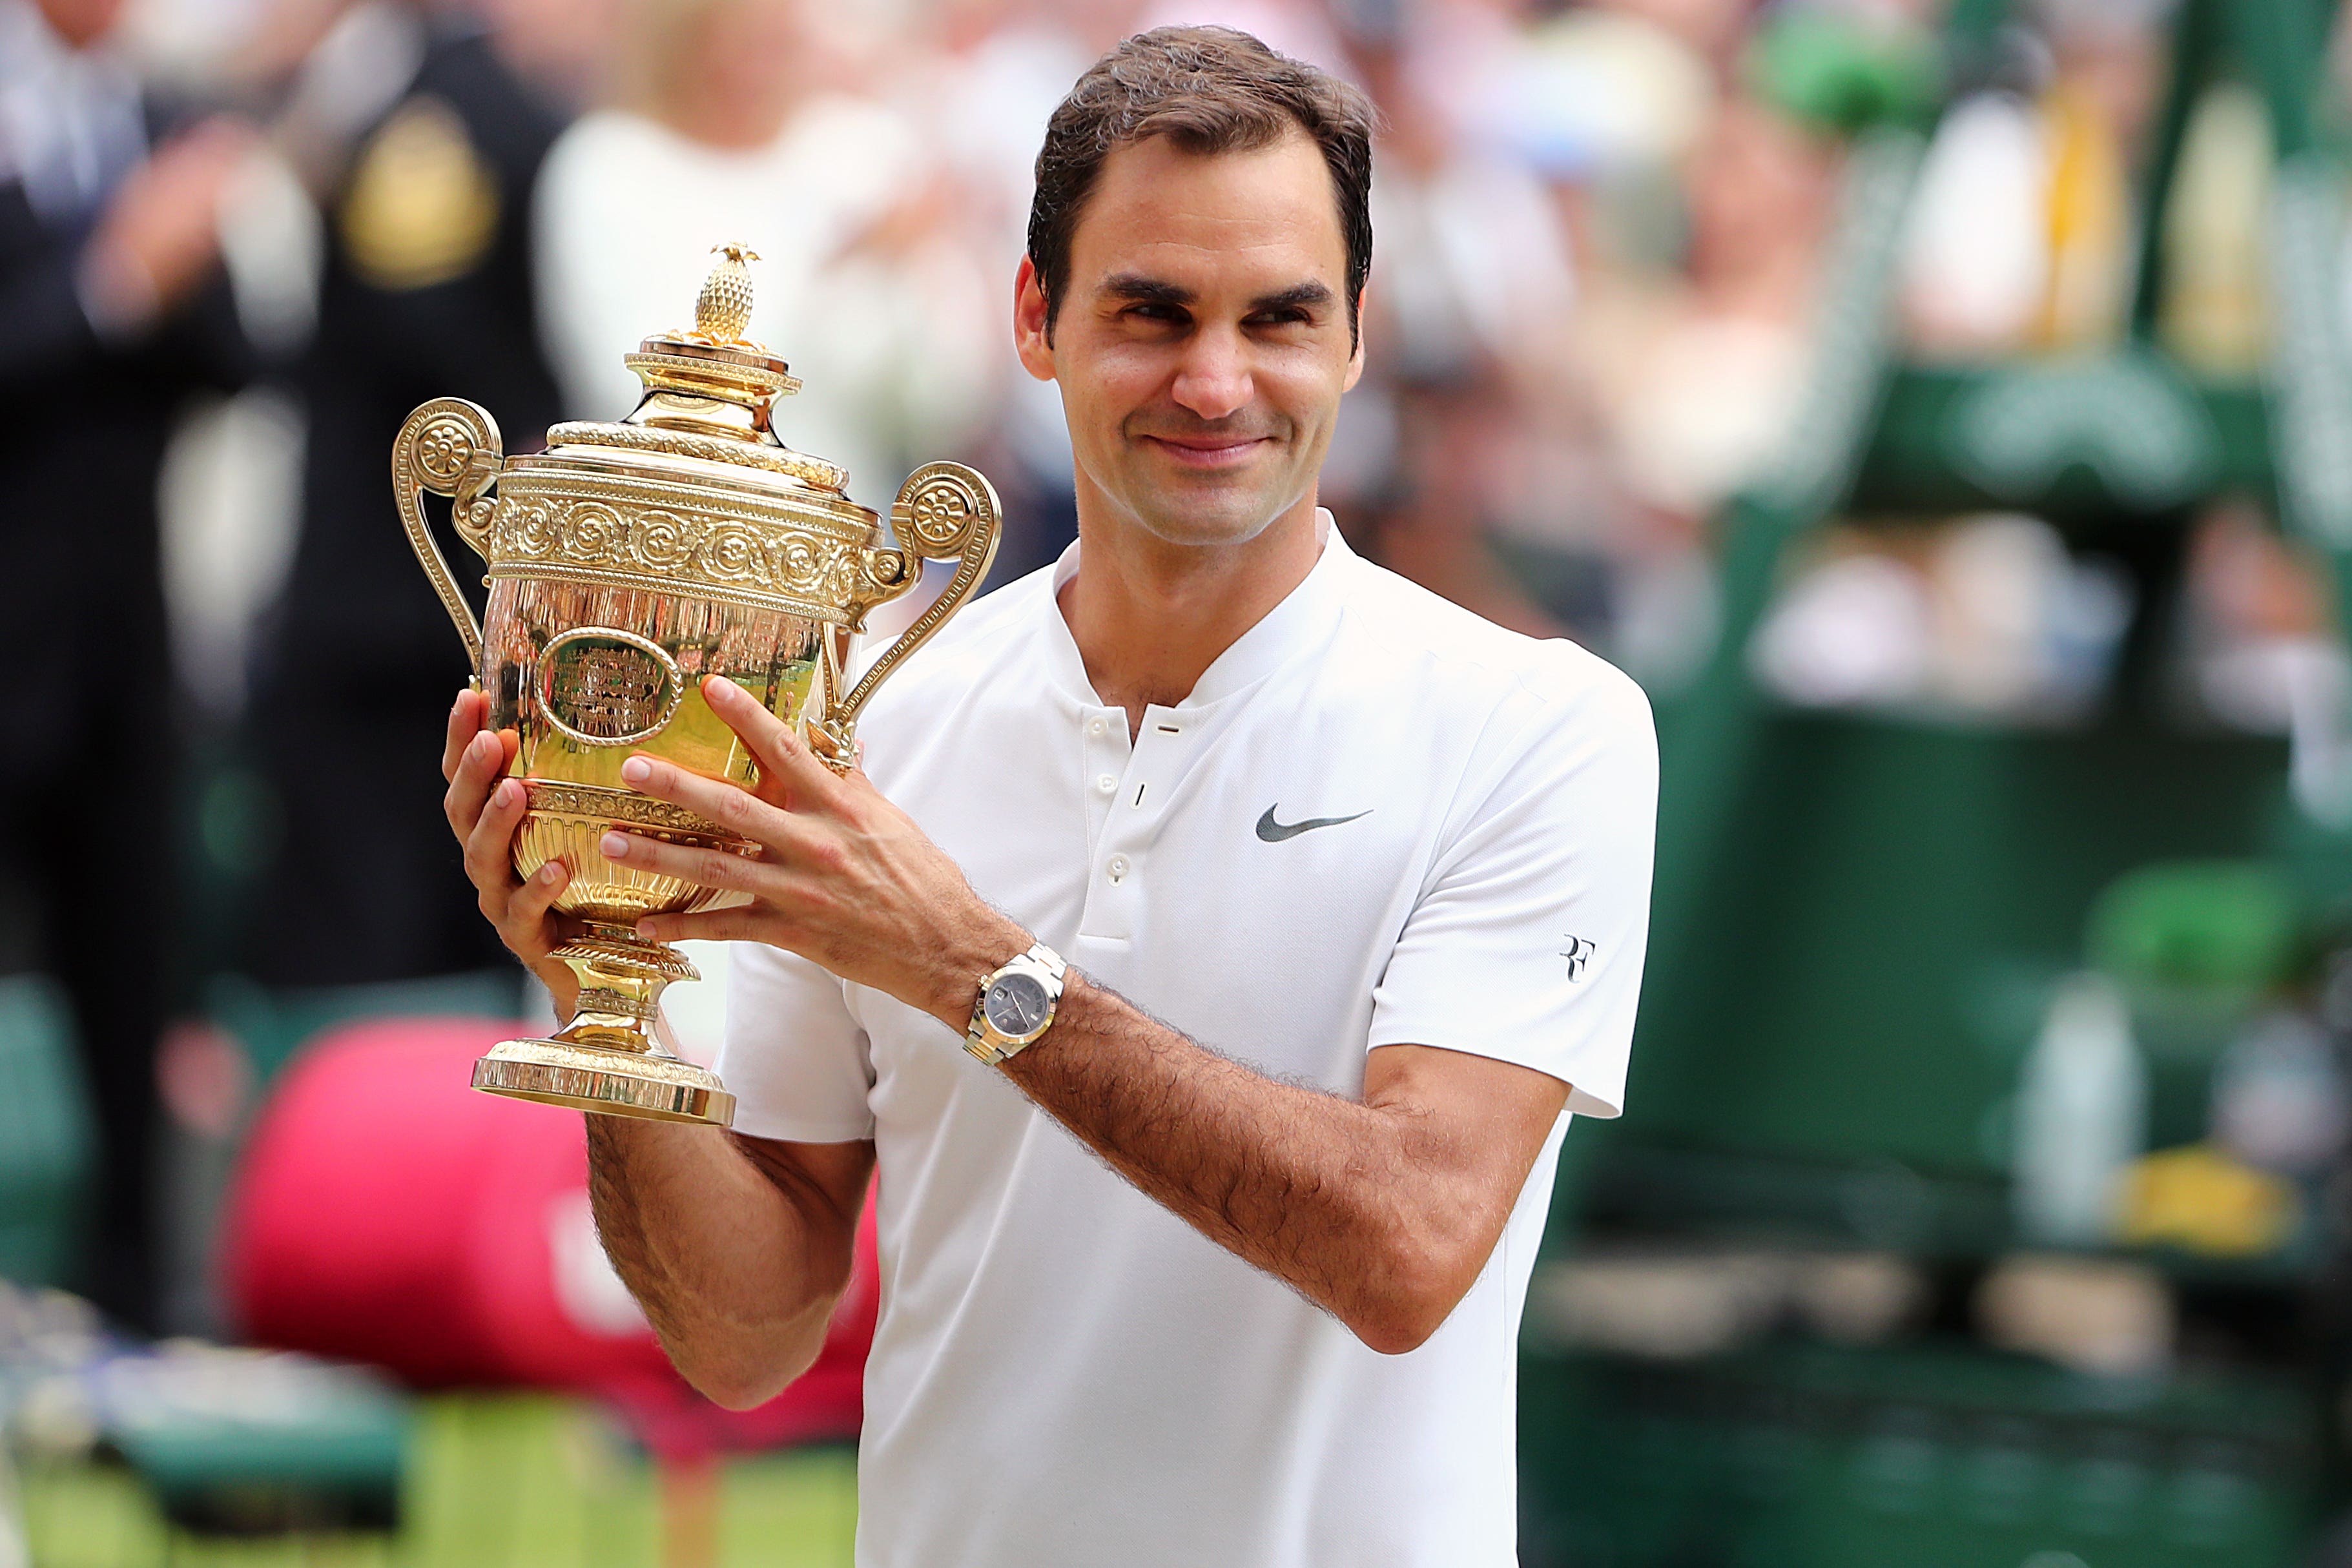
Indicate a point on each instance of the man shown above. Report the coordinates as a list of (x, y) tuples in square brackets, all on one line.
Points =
[(1242, 1287), (113, 310)]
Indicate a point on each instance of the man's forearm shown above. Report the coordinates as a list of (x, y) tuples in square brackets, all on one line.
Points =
[(1352, 1204), (737, 1275)]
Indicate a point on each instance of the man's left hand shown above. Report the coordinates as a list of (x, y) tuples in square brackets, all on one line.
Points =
[(847, 879)]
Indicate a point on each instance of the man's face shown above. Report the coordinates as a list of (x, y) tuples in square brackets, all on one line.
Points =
[(1202, 341)]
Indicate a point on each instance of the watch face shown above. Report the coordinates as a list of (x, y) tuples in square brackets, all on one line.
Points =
[(1016, 1005)]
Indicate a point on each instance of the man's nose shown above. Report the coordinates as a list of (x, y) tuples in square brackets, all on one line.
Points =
[(1213, 380)]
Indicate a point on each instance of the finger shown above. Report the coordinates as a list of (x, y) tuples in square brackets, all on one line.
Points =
[(738, 811), (479, 768), (691, 863), (465, 723), (531, 902), (742, 923), (489, 848), (785, 759)]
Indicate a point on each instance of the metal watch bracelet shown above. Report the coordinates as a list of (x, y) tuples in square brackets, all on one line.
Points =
[(983, 1039)]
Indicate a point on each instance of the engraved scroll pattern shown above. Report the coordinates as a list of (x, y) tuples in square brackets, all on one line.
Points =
[(590, 536)]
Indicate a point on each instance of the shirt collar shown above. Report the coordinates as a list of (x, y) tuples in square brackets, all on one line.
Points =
[(1299, 622)]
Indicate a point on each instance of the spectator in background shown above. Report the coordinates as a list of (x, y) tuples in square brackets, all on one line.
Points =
[(424, 138), (1702, 367), (1476, 262), (980, 93), (732, 121), (113, 309)]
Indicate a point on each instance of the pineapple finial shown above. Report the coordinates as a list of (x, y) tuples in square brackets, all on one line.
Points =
[(722, 311)]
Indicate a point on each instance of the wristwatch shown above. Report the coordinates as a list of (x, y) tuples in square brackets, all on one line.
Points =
[(1016, 1005)]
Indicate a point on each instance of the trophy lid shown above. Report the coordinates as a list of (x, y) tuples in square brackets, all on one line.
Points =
[(710, 390)]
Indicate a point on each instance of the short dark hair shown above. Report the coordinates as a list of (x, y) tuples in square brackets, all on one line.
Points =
[(1207, 89)]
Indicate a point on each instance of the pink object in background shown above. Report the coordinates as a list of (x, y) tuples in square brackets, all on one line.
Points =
[(386, 1213)]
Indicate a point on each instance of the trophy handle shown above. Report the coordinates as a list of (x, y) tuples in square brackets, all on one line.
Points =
[(451, 447), (944, 510)]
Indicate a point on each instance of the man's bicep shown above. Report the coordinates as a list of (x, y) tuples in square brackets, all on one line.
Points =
[(821, 1179), (1496, 1114), (825, 1181)]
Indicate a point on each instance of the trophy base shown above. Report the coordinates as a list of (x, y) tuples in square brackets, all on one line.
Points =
[(606, 1062), (603, 1080)]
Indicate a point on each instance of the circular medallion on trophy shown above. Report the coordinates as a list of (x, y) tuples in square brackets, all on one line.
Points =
[(602, 687)]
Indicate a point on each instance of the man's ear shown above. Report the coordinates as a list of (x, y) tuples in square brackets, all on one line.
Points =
[(1031, 323), (1356, 355)]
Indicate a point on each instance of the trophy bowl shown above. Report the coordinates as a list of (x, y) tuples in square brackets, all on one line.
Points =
[(627, 563)]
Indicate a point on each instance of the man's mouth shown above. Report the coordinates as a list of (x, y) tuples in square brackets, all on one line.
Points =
[(1208, 452)]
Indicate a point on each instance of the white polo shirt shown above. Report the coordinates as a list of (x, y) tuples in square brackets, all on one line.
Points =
[(1377, 820)]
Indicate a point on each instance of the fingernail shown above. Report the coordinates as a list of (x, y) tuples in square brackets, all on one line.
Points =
[(719, 685), (636, 770), (509, 793), (614, 845), (552, 870), (460, 701), (646, 929)]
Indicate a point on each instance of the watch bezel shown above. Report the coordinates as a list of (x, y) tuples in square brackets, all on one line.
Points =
[(1006, 979)]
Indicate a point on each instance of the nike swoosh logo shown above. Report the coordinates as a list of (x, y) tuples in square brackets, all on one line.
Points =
[(1275, 831)]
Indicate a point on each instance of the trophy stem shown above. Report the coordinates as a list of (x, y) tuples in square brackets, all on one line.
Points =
[(606, 1060), (622, 977)]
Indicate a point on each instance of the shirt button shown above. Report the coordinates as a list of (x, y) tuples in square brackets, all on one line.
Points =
[(1096, 728), (1118, 868), (1105, 784)]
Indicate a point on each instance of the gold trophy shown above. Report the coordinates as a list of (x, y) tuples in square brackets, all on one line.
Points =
[(627, 563)]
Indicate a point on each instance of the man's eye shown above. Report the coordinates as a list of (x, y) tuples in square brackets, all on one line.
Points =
[(1282, 318), (1156, 312)]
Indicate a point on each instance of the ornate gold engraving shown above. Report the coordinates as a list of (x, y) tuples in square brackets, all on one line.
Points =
[(621, 806), (771, 565), (603, 1080), (696, 369), (636, 438)]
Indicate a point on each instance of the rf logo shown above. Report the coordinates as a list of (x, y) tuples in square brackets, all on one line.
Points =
[(1578, 952)]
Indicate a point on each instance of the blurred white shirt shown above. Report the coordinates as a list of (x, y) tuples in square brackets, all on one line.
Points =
[(890, 348)]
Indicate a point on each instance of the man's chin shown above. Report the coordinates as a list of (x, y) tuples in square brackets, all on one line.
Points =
[(1206, 514)]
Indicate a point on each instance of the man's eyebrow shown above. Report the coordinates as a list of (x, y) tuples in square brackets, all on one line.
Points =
[(1142, 291), (1145, 290), (1308, 296)]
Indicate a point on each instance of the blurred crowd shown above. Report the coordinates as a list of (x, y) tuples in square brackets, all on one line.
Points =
[(239, 239)]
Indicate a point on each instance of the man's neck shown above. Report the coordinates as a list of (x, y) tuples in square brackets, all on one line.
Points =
[(1150, 618)]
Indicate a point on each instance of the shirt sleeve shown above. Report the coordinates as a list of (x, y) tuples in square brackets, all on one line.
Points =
[(1528, 941), (792, 1055)]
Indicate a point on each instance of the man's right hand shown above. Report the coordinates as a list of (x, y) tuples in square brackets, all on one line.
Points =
[(483, 808)]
